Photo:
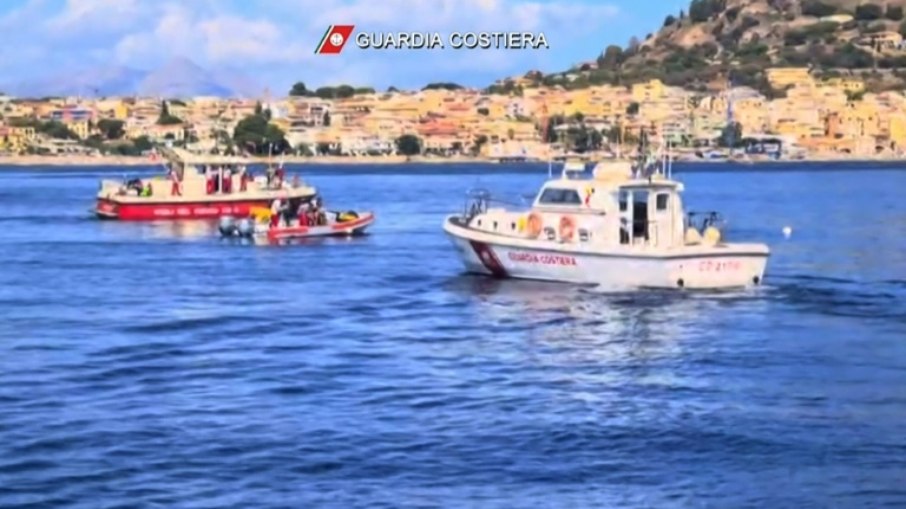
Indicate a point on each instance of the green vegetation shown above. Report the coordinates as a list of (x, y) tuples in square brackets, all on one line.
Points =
[(111, 129), (409, 145), (165, 117), (338, 92), (869, 12), (702, 10), (818, 9), (894, 13), (442, 86), (256, 134)]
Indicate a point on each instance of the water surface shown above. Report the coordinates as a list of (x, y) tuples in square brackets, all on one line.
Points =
[(154, 365)]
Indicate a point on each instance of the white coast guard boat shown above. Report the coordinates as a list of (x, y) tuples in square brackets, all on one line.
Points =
[(624, 227)]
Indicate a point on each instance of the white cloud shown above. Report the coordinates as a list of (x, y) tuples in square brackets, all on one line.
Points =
[(277, 38)]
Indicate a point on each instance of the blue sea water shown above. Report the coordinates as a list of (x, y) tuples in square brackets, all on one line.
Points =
[(155, 365)]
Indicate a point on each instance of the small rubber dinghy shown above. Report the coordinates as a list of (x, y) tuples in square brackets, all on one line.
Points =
[(262, 223)]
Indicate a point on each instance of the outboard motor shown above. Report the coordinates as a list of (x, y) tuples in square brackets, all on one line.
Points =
[(227, 226), (245, 227)]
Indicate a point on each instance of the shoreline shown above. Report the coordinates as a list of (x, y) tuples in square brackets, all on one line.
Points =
[(118, 161)]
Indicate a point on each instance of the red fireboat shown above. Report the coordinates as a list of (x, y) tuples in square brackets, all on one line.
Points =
[(196, 186)]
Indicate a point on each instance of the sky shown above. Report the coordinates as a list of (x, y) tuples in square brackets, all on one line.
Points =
[(273, 41)]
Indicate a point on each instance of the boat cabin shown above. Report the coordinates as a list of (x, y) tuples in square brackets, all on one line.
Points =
[(615, 206)]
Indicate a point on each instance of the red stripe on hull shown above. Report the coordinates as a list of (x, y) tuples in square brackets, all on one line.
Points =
[(175, 211), (489, 259)]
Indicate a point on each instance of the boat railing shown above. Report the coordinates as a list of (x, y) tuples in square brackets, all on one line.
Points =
[(702, 220), (478, 201)]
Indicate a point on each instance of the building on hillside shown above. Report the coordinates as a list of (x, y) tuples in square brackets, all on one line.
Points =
[(648, 91), (16, 139), (783, 77), (881, 41), (851, 85)]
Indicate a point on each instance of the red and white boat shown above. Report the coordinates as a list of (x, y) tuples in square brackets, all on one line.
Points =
[(196, 187), (332, 224)]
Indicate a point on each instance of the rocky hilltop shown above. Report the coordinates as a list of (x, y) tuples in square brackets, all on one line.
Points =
[(714, 41)]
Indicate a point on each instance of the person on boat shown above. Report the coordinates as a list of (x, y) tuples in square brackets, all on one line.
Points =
[(276, 209), (279, 174), (244, 178), (270, 177), (227, 181), (174, 187), (146, 191), (302, 214)]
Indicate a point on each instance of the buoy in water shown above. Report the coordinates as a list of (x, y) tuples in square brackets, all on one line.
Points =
[(787, 231)]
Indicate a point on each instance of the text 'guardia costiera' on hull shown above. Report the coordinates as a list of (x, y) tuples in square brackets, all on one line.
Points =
[(455, 40)]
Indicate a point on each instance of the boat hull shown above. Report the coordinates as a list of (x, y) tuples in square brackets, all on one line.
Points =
[(162, 211), (732, 266), (348, 228)]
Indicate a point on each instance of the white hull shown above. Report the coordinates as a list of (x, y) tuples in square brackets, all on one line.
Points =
[(692, 267)]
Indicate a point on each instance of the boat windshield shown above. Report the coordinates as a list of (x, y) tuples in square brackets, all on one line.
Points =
[(559, 196)]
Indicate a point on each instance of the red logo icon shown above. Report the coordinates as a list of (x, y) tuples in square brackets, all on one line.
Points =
[(334, 39)]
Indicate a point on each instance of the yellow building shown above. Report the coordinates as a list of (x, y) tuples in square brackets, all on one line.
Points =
[(80, 128), (15, 139), (782, 77), (851, 85), (897, 131), (649, 91)]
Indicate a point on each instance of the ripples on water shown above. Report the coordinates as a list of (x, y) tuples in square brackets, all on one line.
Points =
[(154, 364)]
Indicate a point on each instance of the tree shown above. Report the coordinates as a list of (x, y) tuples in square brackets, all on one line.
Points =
[(869, 12), (633, 108), (669, 20), (326, 120), (818, 9), (480, 141), (299, 90), (903, 29), (894, 12), (255, 133), (730, 135), (142, 144), (165, 117), (391, 90), (409, 145), (111, 129), (612, 57), (484, 111), (442, 86)]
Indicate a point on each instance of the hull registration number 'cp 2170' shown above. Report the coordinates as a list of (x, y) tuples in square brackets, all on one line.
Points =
[(716, 266), (544, 259)]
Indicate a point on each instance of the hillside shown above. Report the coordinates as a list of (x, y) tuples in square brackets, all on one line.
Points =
[(177, 78), (716, 40)]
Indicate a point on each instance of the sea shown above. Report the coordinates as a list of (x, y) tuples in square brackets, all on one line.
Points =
[(156, 365)]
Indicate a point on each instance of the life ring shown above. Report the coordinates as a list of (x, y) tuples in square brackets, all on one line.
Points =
[(534, 225), (567, 228)]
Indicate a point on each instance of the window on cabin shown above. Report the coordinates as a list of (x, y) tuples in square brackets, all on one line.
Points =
[(662, 201), (624, 201), (556, 196)]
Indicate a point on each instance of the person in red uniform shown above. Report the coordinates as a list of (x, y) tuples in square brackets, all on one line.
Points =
[(227, 181)]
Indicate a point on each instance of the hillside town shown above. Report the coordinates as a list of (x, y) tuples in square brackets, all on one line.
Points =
[(814, 118)]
